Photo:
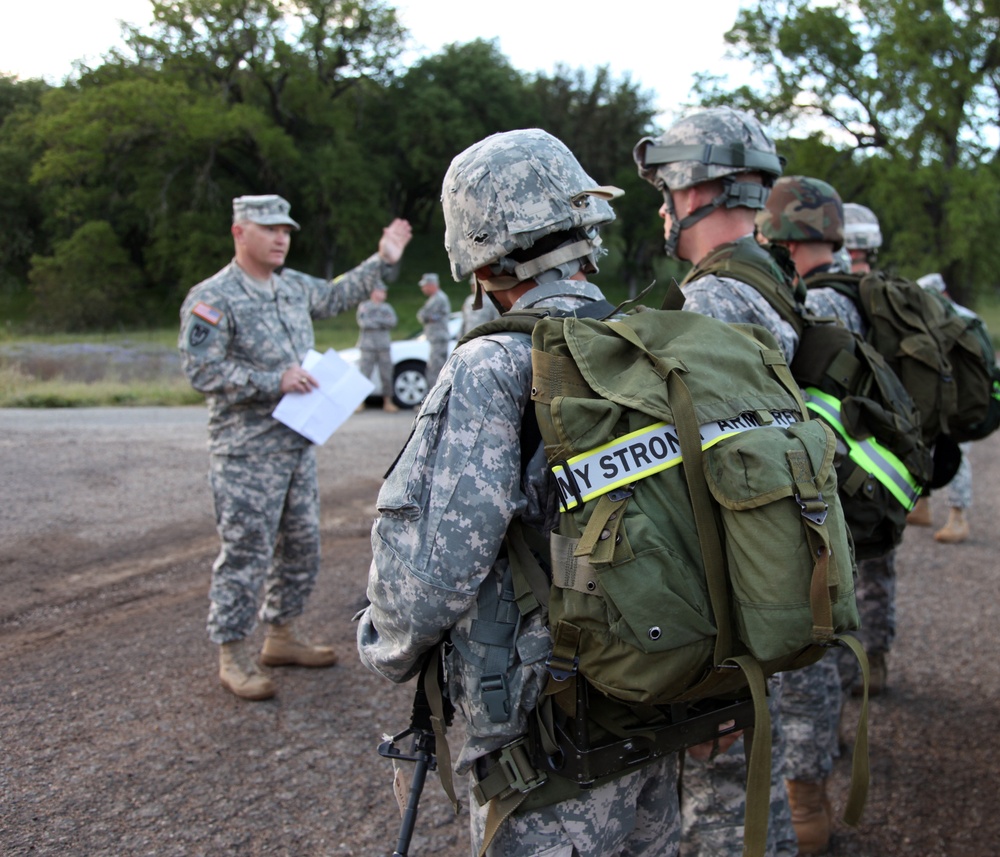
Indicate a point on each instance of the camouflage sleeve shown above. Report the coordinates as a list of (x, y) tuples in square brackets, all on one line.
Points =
[(331, 297), (206, 333), (444, 508), (829, 303), (736, 302)]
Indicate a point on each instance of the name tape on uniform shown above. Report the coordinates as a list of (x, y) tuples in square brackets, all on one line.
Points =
[(642, 453)]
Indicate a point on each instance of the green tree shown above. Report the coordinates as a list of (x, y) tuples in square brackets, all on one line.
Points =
[(601, 118), (88, 283), (440, 106), (20, 206), (213, 101), (911, 88)]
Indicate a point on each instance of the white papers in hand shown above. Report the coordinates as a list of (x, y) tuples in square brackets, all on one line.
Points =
[(320, 412)]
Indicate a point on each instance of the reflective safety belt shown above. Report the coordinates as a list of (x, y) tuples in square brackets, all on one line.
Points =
[(631, 457), (868, 454)]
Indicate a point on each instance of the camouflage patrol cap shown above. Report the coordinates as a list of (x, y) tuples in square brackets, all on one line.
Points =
[(511, 189), (803, 209), (861, 228), (429, 280), (707, 145), (267, 210)]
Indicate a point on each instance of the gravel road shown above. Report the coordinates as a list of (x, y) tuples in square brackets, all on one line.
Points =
[(117, 738)]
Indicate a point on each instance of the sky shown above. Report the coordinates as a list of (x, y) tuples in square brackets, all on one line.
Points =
[(658, 43)]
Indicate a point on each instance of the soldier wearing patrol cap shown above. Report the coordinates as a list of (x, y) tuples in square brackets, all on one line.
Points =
[(244, 333), (523, 217), (715, 168), (433, 315)]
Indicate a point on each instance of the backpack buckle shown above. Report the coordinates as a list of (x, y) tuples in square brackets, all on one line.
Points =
[(814, 509), (562, 669), (496, 698), (521, 774)]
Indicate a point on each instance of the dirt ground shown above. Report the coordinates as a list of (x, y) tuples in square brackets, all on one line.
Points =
[(117, 738)]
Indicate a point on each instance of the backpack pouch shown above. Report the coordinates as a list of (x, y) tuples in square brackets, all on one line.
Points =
[(771, 565), (645, 624)]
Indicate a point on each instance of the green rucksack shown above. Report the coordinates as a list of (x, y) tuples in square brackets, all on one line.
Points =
[(884, 464), (700, 547), (977, 328), (945, 360)]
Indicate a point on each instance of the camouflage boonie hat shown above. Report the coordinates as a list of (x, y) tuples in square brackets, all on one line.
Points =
[(803, 209), (429, 280), (511, 189), (267, 210), (861, 227), (706, 145)]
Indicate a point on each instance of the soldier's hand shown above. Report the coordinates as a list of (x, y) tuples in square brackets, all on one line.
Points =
[(394, 239), (297, 380)]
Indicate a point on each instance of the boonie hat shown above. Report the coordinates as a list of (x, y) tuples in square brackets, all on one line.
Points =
[(267, 210), (429, 279)]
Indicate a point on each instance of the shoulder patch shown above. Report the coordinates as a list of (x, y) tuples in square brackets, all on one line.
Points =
[(207, 313)]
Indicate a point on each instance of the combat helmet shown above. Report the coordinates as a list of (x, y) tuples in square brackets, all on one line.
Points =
[(801, 208), (508, 192), (861, 228), (717, 143), (933, 283)]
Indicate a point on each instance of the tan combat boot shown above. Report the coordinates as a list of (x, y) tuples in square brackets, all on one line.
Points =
[(812, 815), (389, 406), (920, 514), (283, 647), (240, 674), (955, 531)]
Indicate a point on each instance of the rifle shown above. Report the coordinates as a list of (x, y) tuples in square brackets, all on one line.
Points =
[(429, 711)]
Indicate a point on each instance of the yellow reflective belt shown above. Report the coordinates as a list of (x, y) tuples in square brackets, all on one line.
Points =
[(642, 453), (869, 454)]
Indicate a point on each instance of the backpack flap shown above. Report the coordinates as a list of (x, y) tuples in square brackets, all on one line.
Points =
[(635, 611), (774, 486)]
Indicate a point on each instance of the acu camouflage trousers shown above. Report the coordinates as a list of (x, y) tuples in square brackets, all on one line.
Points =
[(267, 516), (635, 815)]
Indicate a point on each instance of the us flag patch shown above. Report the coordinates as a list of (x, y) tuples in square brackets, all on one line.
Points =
[(206, 312)]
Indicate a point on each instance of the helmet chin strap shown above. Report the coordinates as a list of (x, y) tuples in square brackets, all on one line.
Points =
[(734, 195)]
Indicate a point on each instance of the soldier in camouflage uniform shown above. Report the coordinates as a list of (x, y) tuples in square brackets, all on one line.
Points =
[(806, 216), (433, 315), (862, 236), (376, 319), (959, 490), (463, 478), (715, 168), (244, 332)]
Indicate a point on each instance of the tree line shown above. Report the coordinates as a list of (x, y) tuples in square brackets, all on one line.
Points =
[(115, 187)]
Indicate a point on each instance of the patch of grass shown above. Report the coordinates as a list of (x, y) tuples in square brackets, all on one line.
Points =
[(18, 390)]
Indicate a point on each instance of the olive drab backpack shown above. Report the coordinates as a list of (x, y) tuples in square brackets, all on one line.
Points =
[(700, 547), (885, 463), (976, 328), (945, 360)]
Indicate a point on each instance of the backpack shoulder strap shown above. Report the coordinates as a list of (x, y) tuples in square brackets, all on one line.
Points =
[(768, 270), (846, 284), (524, 320)]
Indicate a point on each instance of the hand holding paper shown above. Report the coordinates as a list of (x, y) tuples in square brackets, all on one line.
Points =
[(319, 413)]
